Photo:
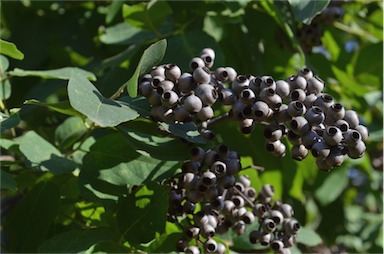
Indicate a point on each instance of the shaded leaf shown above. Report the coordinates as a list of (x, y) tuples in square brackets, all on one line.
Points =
[(5, 89), (308, 237), (161, 148), (8, 122), (113, 10), (43, 155), (165, 243), (112, 160), (124, 33), (107, 247), (8, 181), (187, 131), (61, 73), (151, 57), (142, 214), (28, 224), (84, 97), (71, 130), (10, 49), (146, 15), (73, 241), (305, 10), (332, 186), (63, 107)]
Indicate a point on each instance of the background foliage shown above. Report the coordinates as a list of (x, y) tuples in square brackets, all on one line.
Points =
[(77, 179)]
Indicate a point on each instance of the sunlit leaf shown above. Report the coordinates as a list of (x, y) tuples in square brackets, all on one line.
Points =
[(61, 73), (10, 49), (151, 57), (85, 98), (332, 186)]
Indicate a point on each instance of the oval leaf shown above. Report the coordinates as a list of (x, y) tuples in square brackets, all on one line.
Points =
[(305, 10), (63, 107), (10, 49), (151, 57), (308, 237), (85, 98), (61, 73)]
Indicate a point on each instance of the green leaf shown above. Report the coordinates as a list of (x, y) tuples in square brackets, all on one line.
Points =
[(187, 131), (10, 49), (332, 186), (8, 122), (5, 89), (151, 57), (142, 215), (8, 181), (107, 247), (113, 9), (165, 243), (74, 241), (85, 98), (63, 107), (308, 237), (61, 73), (4, 64), (43, 155), (305, 10), (124, 33), (146, 15), (28, 224), (156, 147), (71, 130), (112, 160)]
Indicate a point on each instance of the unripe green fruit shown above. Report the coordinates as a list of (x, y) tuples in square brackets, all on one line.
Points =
[(283, 88), (315, 85), (195, 63), (192, 103), (296, 108), (172, 72)]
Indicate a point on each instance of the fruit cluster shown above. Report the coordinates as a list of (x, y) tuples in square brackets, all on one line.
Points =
[(295, 107), (212, 200), (310, 35)]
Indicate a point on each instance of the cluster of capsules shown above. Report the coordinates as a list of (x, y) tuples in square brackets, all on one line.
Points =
[(309, 35), (211, 200), (295, 107)]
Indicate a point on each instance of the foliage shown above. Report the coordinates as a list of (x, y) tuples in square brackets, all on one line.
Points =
[(82, 165)]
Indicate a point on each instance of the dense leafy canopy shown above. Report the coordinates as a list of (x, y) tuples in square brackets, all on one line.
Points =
[(82, 164)]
